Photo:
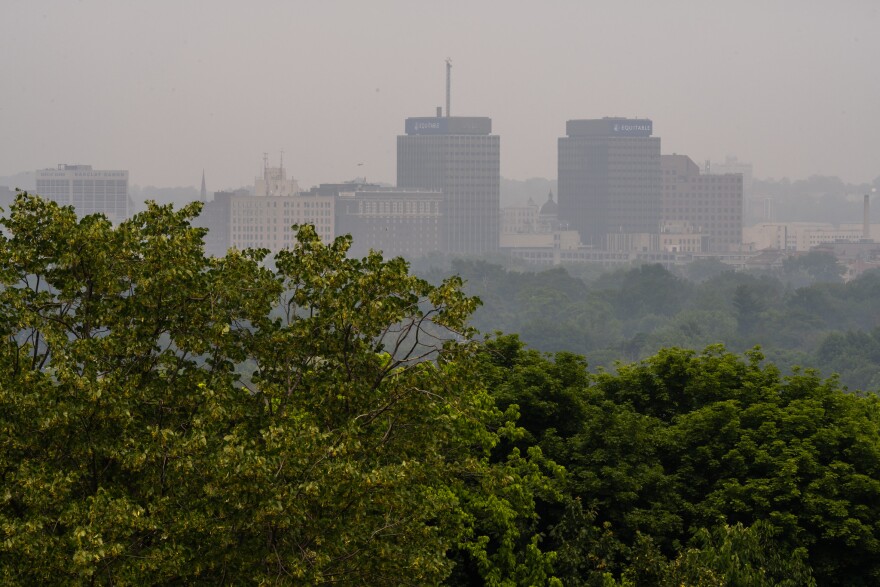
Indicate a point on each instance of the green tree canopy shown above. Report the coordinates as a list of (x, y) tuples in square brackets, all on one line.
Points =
[(172, 418), (667, 449)]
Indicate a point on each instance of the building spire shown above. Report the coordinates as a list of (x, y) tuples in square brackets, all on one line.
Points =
[(203, 195), (448, 85)]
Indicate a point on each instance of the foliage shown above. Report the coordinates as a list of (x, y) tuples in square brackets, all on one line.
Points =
[(180, 419), (173, 418), (737, 556), (630, 314), (663, 451), (814, 267)]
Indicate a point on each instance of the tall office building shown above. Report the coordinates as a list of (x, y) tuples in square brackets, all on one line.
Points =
[(460, 157), (609, 178), (711, 203), (754, 206), (88, 190)]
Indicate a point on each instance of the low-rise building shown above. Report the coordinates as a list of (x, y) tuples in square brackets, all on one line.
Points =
[(798, 236), (681, 237), (240, 220), (403, 222)]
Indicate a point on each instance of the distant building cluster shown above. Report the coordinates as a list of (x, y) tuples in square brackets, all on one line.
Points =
[(619, 199), (800, 236), (447, 199), (617, 194), (241, 220)]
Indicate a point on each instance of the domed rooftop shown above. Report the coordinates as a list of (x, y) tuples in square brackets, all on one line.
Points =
[(550, 208)]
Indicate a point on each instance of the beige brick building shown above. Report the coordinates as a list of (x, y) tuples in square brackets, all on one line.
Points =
[(710, 203)]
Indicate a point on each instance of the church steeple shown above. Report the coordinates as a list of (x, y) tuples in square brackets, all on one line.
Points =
[(203, 196)]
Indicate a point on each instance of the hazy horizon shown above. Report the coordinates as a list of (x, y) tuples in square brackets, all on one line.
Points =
[(167, 89)]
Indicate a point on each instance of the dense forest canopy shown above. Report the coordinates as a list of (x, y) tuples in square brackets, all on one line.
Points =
[(172, 418), (802, 314)]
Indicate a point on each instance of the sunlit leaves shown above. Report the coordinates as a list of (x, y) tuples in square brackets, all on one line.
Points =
[(172, 418)]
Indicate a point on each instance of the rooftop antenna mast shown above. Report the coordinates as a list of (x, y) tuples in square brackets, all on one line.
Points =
[(282, 159), (448, 84)]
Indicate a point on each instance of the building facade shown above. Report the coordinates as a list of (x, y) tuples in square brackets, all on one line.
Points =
[(89, 191), (460, 157), (239, 220), (755, 208), (532, 227), (520, 219), (681, 237), (275, 183), (396, 221), (710, 203), (800, 236), (609, 178)]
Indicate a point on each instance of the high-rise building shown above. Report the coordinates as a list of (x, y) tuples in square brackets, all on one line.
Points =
[(460, 157), (609, 178), (216, 216), (711, 203), (733, 165), (88, 190), (753, 206)]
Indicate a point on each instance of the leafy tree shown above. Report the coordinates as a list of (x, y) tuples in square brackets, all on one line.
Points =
[(694, 329), (172, 418), (813, 267), (666, 458), (737, 556), (748, 308), (649, 289), (734, 441), (855, 353), (701, 270)]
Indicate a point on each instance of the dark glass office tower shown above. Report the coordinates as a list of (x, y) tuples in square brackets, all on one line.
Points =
[(609, 178), (459, 157)]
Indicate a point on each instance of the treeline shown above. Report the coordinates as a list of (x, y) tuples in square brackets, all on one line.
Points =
[(802, 314), (172, 418), (698, 468)]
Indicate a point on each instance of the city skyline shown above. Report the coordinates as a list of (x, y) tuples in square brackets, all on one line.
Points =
[(167, 89)]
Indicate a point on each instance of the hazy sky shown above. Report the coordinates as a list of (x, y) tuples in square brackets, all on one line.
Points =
[(166, 88)]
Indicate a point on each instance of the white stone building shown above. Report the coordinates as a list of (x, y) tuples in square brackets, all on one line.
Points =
[(89, 191)]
